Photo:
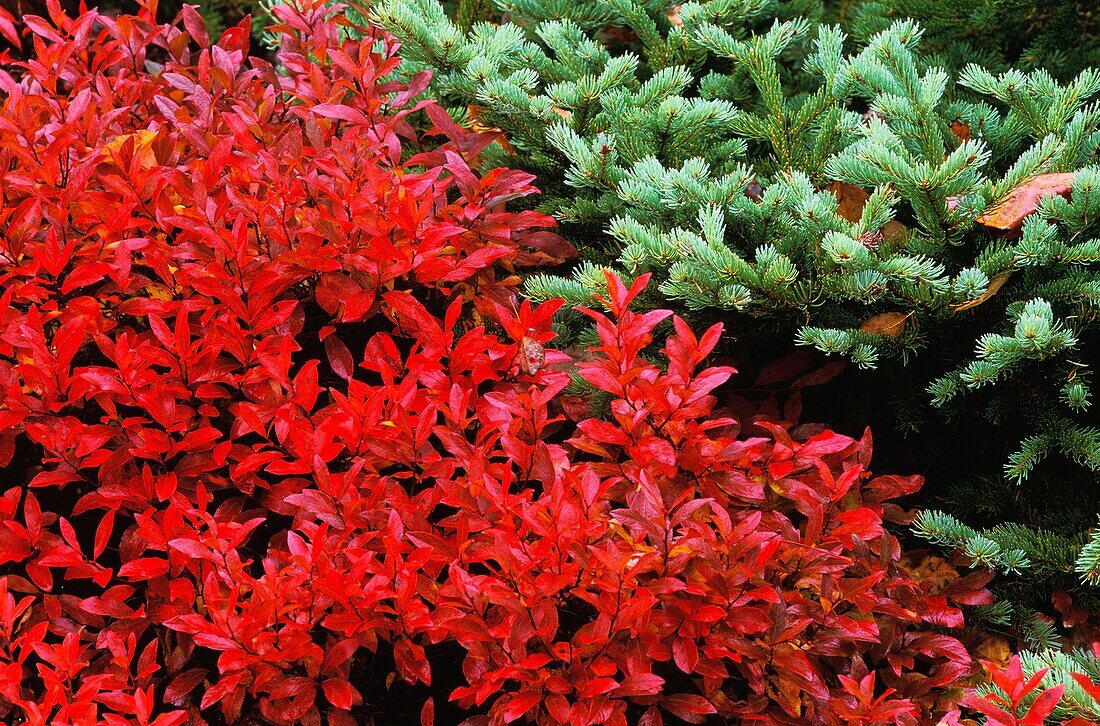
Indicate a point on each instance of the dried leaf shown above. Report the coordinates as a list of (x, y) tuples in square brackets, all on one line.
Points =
[(674, 18), (961, 130), (612, 35), (990, 291), (850, 198), (1072, 613), (894, 231), (533, 356), (934, 574), (891, 324), (992, 648), (1022, 201)]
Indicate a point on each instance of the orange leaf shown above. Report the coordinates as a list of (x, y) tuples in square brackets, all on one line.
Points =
[(850, 198), (892, 324), (990, 291), (961, 130), (1023, 200)]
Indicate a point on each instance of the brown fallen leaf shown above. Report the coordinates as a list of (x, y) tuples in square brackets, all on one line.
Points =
[(674, 18), (612, 34), (933, 573), (894, 231), (565, 114), (891, 324), (1022, 201), (1072, 613), (961, 130), (850, 198), (992, 648), (994, 285)]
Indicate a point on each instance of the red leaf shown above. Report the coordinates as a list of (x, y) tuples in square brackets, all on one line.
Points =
[(183, 684), (339, 358), (341, 112), (144, 568), (688, 707), (519, 704), (340, 693)]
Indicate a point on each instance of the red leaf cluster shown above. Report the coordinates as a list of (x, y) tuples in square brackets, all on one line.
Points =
[(268, 406), (1019, 700)]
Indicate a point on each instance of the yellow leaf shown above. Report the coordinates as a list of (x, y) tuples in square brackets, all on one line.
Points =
[(159, 292), (143, 146)]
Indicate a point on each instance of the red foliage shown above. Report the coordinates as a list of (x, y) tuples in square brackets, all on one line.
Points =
[(269, 408), (1019, 700)]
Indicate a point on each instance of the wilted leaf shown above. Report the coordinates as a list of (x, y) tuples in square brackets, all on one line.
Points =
[(1072, 613), (1023, 200), (532, 356), (611, 35), (891, 324)]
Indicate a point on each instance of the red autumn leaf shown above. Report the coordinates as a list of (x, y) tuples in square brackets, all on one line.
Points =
[(183, 684), (340, 693), (144, 568), (688, 707)]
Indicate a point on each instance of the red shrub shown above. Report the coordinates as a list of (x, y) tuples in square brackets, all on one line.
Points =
[(270, 410)]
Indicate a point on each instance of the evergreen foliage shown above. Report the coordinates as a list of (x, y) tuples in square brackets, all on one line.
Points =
[(850, 192), (998, 33)]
